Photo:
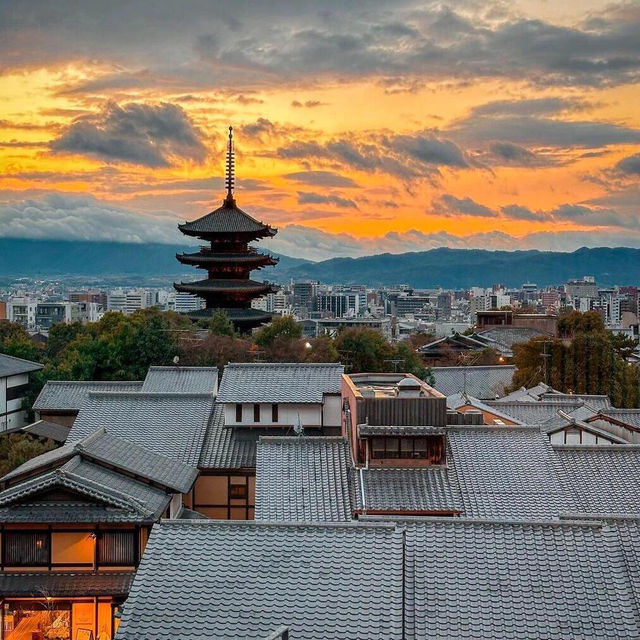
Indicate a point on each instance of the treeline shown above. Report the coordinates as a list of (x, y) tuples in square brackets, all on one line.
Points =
[(120, 347), (585, 358)]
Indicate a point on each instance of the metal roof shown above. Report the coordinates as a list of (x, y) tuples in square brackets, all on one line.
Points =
[(279, 382), (181, 380), (304, 479), (229, 580), (66, 395), (11, 366), (483, 382), (170, 424)]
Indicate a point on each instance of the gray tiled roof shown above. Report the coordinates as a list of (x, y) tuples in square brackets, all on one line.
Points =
[(628, 416), (459, 400), (230, 580), (303, 479), (508, 472), (65, 395), (409, 489), (226, 219), (11, 366), (476, 580), (508, 336), (229, 448), (42, 429), (105, 448), (484, 382), (66, 585), (107, 496), (406, 430), (181, 380), (170, 424), (534, 412), (595, 401), (279, 382), (605, 478)]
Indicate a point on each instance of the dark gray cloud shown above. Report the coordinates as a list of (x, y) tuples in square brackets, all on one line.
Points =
[(629, 166), (529, 107), (321, 178), (204, 44), (519, 212), (507, 153), (150, 135), (306, 197), (450, 205), (539, 131), (405, 156), (309, 104)]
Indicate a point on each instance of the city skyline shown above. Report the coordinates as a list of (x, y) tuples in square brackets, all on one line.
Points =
[(360, 128)]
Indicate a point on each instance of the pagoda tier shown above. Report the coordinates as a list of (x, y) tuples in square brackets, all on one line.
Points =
[(228, 259)]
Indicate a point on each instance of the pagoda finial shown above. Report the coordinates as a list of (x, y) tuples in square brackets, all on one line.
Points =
[(230, 170)]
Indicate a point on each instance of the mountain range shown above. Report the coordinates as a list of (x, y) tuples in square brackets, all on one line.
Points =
[(448, 268)]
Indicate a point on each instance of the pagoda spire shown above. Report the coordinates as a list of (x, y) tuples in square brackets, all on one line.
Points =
[(230, 176)]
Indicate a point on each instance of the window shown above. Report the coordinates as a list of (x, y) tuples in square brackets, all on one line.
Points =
[(72, 547), (117, 548), (238, 413), (26, 548), (274, 413), (407, 448), (13, 393), (256, 413), (238, 491)]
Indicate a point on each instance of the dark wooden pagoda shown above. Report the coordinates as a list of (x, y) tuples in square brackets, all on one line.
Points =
[(228, 259)]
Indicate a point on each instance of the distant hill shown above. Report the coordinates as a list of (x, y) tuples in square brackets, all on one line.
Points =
[(448, 268), (464, 268), (21, 257)]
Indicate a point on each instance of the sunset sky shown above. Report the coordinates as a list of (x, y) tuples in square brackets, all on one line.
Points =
[(361, 127)]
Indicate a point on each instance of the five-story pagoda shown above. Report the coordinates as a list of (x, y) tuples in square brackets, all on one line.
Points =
[(228, 259)]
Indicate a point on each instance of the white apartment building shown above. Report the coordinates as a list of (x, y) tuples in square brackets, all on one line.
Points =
[(14, 383)]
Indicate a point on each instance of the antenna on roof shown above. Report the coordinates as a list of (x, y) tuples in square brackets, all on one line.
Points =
[(230, 177)]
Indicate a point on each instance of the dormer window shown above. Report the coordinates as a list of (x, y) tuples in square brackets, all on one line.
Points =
[(408, 448)]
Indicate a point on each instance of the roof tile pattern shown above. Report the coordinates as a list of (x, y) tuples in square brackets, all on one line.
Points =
[(225, 580), (11, 366), (105, 448), (508, 472), (484, 382), (417, 490), (116, 583), (495, 580), (170, 424), (276, 382), (605, 479), (303, 479), (181, 380), (59, 395)]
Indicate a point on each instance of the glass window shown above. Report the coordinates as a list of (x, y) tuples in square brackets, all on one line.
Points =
[(274, 413), (72, 547), (238, 491), (256, 413), (238, 413), (117, 548), (26, 548), (406, 448), (392, 447), (50, 619), (420, 448), (377, 447)]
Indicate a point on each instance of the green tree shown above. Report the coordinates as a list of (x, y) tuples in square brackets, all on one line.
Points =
[(220, 325), (282, 327), (16, 342), (17, 448), (363, 350)]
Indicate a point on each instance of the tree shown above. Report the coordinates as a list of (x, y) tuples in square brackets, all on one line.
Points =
[(17, 448), (283, 327), (16, 342), (363, 350), (411, 362), (220, 325)]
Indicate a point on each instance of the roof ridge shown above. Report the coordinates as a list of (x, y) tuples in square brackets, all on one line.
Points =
[(6, 355), (592, 522), (145, 394), (159, 367), (352, 524)]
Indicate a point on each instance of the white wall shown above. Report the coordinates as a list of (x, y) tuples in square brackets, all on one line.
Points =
[(332, 411), (310, 414), (19, 418)]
